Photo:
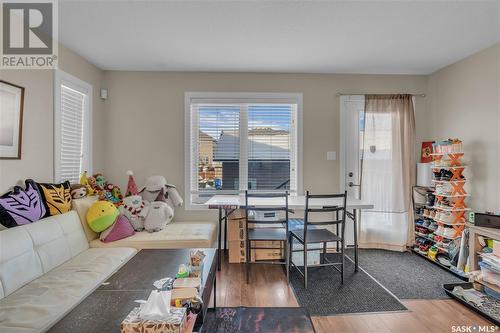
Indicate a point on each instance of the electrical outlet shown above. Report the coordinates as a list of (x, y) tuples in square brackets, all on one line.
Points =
[(331, 155)]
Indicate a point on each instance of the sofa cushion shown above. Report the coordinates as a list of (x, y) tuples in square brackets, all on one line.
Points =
[(26, 252), (19, 263), (174, 236), (57, 197), (81, 206), (41, 303), (57, 239), (21, 206)]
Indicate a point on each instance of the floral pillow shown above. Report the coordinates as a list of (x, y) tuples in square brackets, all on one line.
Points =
[(22, 206), (56, 197)]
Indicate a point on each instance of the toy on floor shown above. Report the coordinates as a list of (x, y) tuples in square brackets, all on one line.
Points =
[(136, 210), (78, 191), (101, 215), (159, 215), (84, 180)]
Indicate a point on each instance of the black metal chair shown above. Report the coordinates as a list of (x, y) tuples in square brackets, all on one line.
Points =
[(266, 234), (308, 235)]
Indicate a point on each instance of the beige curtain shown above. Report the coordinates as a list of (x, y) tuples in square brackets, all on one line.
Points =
[(388, 171)]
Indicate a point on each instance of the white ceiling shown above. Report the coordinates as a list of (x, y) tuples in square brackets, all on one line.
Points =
[(396, 37)]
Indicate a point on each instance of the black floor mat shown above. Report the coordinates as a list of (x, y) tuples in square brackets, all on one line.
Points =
[(405, 274), (326, 296)]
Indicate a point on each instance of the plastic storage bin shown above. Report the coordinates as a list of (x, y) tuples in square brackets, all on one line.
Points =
[(489, 275)]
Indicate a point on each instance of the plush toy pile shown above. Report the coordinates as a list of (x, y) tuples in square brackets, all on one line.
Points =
[(114, 216), (150, 208)]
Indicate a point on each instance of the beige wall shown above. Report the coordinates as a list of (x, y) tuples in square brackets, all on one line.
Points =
[(37, 159), (144, 118), (464, 102)]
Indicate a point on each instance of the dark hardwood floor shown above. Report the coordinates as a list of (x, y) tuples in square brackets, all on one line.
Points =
[(268, 288)]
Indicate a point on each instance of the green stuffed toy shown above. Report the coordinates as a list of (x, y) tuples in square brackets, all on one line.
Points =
[(101, 215)]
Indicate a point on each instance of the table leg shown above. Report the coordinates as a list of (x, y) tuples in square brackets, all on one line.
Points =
[(215, 292), (355, 211), (225, 231), (219, 259)]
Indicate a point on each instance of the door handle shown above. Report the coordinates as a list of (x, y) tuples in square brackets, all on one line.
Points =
[(351, 184)]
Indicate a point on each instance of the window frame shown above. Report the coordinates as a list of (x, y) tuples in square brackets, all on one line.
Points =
[(72, 82), (237, 97)]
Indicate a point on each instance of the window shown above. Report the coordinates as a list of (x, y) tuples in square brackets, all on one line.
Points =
[(72, 127), (242, 141)]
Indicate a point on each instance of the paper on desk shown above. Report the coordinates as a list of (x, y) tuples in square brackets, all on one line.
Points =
[(157, 307)]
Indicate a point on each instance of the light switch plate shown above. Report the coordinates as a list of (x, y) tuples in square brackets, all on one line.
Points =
[(331, 155)]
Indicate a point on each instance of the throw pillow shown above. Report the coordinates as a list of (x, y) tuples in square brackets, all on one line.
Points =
[(57, 197), (21, 206), (101, 215), (120, 229)]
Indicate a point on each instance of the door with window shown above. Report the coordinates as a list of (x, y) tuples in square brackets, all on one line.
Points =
[(352, 124), (378, 139)]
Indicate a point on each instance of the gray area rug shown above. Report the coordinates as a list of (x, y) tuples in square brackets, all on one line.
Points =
[(405, 274), (326, 296)]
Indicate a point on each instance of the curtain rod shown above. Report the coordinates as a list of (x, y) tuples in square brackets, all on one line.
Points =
[(346, 94)]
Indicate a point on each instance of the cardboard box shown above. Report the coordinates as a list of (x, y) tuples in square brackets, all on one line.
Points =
[(183, 293), (189, 282), (266, 254), (173, 324), (237, 214), (236, 251), (236, 230)]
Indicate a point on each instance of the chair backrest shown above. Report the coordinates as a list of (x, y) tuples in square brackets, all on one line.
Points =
[(339, 211), (269, 209)]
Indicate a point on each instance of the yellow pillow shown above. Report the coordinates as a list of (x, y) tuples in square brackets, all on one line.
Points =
[(57, 197)]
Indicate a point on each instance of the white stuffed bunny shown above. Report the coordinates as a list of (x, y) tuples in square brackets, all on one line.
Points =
[(159, 215)]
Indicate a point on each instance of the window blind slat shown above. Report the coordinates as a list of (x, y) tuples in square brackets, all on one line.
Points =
[(71, 134), (268, 132)]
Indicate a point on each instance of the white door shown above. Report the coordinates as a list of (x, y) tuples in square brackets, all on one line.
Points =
[(351, 135)]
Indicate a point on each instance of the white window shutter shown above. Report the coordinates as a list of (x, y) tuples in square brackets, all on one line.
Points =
[(72, 128), (72, 120)]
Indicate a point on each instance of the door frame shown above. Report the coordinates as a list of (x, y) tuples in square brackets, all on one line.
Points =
[(343, 133)]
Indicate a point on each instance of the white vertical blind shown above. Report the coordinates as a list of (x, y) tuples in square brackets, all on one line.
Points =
[(72, 127), (72, 120), (241, 143)]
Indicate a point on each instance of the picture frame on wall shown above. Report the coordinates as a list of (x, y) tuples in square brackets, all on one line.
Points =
[(11, 120)]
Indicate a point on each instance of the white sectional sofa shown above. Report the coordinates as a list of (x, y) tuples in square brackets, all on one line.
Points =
[(48, 267)]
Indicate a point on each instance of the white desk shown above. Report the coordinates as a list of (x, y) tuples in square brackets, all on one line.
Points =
[(227, 202)]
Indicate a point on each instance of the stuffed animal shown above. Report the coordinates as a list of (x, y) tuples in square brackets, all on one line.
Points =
[(101, 215), (157, 189), (85, 182), (100, 181), (78, 191), (136, 210), (111, 193), (159, 215)]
